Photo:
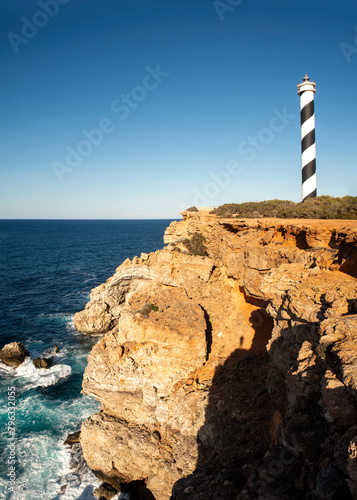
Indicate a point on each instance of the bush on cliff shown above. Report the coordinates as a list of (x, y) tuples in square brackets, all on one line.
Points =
[(147, 309), (321, 207), (196, 245)]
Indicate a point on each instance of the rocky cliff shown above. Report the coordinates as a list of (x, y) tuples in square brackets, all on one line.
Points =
[(231, 375)]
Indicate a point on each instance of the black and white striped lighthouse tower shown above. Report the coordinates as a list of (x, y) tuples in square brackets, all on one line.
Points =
[(306, 91)]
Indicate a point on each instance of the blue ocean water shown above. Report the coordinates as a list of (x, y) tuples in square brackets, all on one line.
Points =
[(47, 270)]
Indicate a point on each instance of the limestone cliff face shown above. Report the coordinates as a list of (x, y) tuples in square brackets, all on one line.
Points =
[(232, 375)]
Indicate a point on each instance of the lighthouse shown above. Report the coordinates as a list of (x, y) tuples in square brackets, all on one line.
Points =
[(306, 91)]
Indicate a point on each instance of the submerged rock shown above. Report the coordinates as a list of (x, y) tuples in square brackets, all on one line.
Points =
[(13, 354)]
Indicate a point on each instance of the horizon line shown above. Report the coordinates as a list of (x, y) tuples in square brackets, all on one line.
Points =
[(81, 219)]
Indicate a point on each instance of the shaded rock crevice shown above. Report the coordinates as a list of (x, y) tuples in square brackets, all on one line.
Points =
[(208, 332)]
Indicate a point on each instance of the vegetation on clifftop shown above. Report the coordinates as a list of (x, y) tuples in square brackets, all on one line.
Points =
[(321, 207)]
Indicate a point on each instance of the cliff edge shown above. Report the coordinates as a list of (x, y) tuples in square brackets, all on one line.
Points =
[(231, 375)]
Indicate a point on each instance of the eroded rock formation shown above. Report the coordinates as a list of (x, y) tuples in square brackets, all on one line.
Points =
[(230, 376)]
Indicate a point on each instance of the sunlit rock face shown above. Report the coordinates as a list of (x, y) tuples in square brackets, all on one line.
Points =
[(13, 354), (231, 374)]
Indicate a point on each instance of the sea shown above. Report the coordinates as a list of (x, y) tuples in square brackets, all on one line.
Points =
[(47, 270)]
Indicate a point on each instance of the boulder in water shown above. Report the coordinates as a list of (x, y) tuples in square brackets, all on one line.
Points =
[(13, 354), (42, 363)]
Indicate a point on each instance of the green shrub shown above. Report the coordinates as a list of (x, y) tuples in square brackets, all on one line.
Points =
[(196, 245), (321, 351), (147, 309), (321, 207)]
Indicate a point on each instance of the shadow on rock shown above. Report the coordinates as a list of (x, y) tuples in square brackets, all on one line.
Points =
[(236, 433), (299, 440)]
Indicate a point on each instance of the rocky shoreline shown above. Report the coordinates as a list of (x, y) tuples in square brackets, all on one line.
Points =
[(231, 375)]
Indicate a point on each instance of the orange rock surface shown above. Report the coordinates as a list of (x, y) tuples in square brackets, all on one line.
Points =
[(210, 364)]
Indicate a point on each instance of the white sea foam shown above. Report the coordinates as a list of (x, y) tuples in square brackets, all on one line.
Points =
[(6, 369), (70, 325), (50, 352), (79, 482), (68, 319), (42, 377), (81, 293), (60, 317), (81, 407), (48, 474), (63, 316), (34, 341), (92, 335)]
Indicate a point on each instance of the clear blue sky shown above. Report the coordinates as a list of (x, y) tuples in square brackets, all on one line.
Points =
[(178, 88)]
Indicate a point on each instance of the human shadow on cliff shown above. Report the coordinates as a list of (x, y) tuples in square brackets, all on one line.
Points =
[(256, 444), (237, 419)]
